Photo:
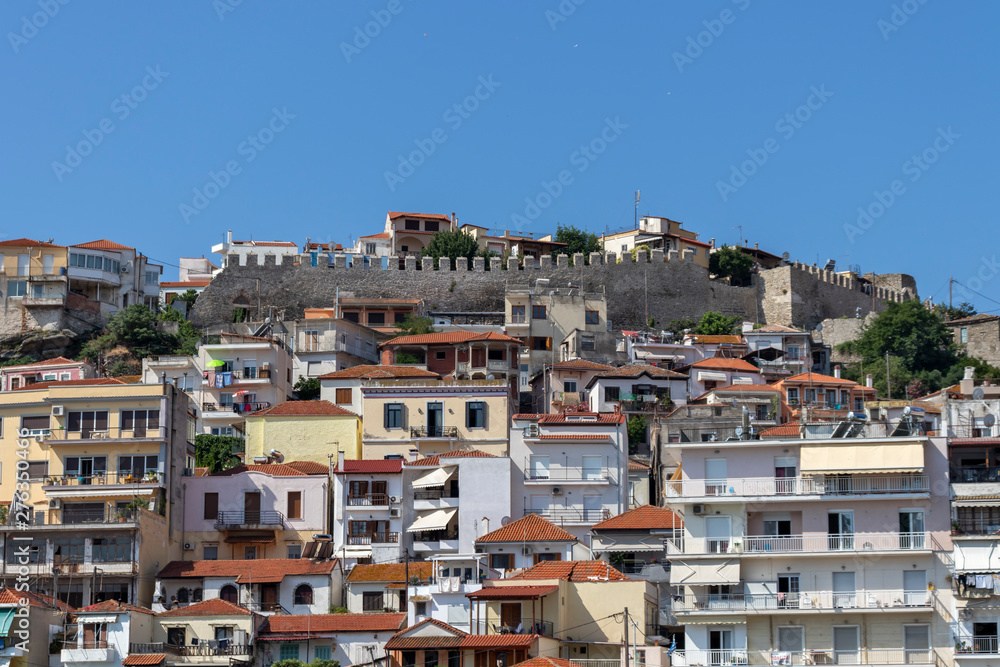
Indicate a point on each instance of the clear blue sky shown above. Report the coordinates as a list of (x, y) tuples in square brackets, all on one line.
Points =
[(675, 119)]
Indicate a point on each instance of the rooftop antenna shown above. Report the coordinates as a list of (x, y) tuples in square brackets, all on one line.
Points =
[(637, 192)]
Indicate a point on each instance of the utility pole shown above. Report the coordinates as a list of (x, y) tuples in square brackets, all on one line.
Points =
[(637, 208), (888, 382), (950, 281), (628, 659)]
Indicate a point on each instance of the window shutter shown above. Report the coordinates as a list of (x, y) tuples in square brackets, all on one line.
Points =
[(486, 414), (102, 420), (128, 420), (385, 415), (154, 419)]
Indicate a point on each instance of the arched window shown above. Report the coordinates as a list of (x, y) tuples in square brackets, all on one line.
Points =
[(182, 595), (304, 594), (197, 595), (229, 593)]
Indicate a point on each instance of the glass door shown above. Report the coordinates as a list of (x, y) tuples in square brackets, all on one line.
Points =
[(788, 591), (435, 420), (911, 529), (915, 588), (841, 531), (846, 645), (715, 477), (718, 532), (844, 591), (720, 644), (916, 644)]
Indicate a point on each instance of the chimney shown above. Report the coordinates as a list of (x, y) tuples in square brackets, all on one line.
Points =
[(836, 371), (712, 242), (868, 381), (453, 219), (229, 237), (413, 454), (340, 460), (970, 373), (486, 525)]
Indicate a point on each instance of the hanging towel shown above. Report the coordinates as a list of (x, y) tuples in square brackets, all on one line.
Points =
[(781, 597), (996, 584), (984, 581), (218, 381)]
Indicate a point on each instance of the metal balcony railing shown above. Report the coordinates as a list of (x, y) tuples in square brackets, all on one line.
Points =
[(205, 647), (523, 626), (568, 474), (250, 517), (434, 494), (975, 475), (978, 644), (368, 500), (433, 431), (769, 602), (236, 408), (570, 514), (807, 543), (105, 478), (871, 656), (976, 526), (107, 433), (791, 486), (376, 538)]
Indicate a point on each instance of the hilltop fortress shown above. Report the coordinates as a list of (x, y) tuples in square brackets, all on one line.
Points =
[(667, 286)]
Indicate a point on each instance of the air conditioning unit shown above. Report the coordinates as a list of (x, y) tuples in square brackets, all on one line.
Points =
[(393, 500), (39, 437), (395, 512), (189, 546), (532, 430), (525, 551), (699, 509), (57, 411), (54, 503), (556, 491)]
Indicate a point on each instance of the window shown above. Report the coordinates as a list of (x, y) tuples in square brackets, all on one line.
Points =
[(540, 343), (517, 314), (323, 653), (35, 550), (289, 652), (67, 549), (138, 466), (293, 550), (859, 405), (229, 593), (593, 317), (376, 319), (210, 552), (420, 608), (225, 430), (250, 552), (793, 395), (176, 636), (17, 287), (810, 396), (352, 317), (611, 394), (294, 504), (411, 224), (211, 506), (430, 659), (303, 594), (409, 658), (369, 248), (592, 467), (35, 424), (538, 312), (845, 398), (538, 467), (38, 469), (345, 396), (475, 414), (393, 415), (86, 467), (310, 340), (372, 601), (440, 356), (48, 377), (431, 225), (587, 343), (152, 278), (399, 318), (964, 335), (793, 353), (87, 423), (569, 386)]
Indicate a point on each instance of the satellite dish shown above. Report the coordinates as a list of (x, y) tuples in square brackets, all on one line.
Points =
[(278, 456), (978, 394), (819, 327), (739, 431), (989, 420), (785, 255), (504, 521), (906, 411)]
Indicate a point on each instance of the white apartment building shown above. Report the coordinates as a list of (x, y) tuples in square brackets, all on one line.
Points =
[(825, 551), (259, 249), (326, 344), (111, 276), (571, 468), (367, 510)]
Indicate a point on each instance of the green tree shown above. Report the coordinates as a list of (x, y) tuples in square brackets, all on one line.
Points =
[(576, 240), (716, 324), (948, 313), (636, 427), (189, 297), (411, 326), (217, 452), (728, 262), (454, 245), (307, 389), (19, 361), (135, 328), (677, 327)]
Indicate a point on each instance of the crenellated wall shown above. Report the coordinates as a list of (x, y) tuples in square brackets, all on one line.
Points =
[(662, 286)]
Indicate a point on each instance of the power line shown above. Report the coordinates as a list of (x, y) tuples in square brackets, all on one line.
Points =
[(979, 293)]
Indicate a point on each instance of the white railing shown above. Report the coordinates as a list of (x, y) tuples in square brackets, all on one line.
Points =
[(871, 656), (598, 662), (798, 486), (982, 644), (768, 602), (807, 543)]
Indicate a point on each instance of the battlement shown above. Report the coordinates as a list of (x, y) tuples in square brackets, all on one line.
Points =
[(849, 281)]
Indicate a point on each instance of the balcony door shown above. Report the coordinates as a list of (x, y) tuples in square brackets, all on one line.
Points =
[(720, 645), (911, 529), (435, 420), (539, 467), (915, 588), (844, 590), (715, 477), (718, 533), (785, 468), (846, 644), (984, 637), (788, 595), (268, 596), (251, 507), (510, 614), (841, 530), (916, 644)]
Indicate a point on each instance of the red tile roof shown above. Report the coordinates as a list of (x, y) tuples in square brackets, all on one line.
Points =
[(635, 370), (371, 466), (318, 408), (740, 388), (726, 364), (574, 418), (776, 328), (390, 572), (719, 339), (70, 383), (103, 244), (115, 606), (637, 465), (145, 659), (291, 469), (498, 641), (9, 596), (267, 244), (285, 624), (543, 661), (380, 372), (448, 337), (531, 528), (455, 639), (973, 319), (581, 364), (818, 378), (185, 283), (785, 430), (573, 570), (382, 235), (644, 517), (56, 361), (400, 214), (571, 436), (511, 592), (211, 607), (29, 243), (264, 570), (456, 454)]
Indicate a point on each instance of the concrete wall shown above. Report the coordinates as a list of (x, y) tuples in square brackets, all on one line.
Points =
[(305, 438)]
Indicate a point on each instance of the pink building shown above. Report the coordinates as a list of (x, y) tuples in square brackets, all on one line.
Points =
[(50, 370)]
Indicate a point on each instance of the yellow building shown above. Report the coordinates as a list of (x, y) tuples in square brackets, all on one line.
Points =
[(303, 431), (33, 277), (213, 632), (102, 462), (656, 232), (434, 416)]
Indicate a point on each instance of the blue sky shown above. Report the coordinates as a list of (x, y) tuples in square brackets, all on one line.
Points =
[(784, 118)]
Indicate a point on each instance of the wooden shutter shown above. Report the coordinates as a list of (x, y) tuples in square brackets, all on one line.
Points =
[(211, 506), (294, 504)]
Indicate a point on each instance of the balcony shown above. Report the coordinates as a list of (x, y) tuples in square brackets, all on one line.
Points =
[(56, 482), (204, 648), (540, 627), (170, 361), (644, 402), (975, 475), (492, 366), (872, 656), (433, 431), (210, 410), (369, 500), (222, 379), (880, 600), (570, 514), (976, 646), (569, 474), (92, 651), (375, 538), (975, 527), (569, 398), (249, 519), (436, 541), (780, 488), (91, 435), (804, 544), (655, 572), (43, 301)]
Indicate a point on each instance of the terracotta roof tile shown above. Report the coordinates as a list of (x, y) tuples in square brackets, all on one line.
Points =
[(115, 606), (644, 517), (816, 378), (446, 337), (637, 465), (291, 469), (380, 372), (390, 572), (531, 528), (185, 283), (318, 408), (511, 592), (781, 431), (574, 418), (29, 243), (71, 383), (284, 624), (572, 436), (56, 361), (371, 466), (456, 454), (726, 364), (145, 659), (381, 235), (211, 607), (719, 339), (543, 661), (635, 370), (9, 596), (573, 570), (581, 364), (263, 570), (764, 388), (401, 214), (103, 244)]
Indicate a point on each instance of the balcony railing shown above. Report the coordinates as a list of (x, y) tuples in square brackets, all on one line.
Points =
[(974, 475), (792, 486), (101, 479), (492, 365), (769, 602), (524, 626), (568, 474), (205, 647), (976, 526), (250, 517), (871, 656), (368, 500), (980, 644), (433, 431), (569, 398), (824, 542), (236, 408), (570, 514), (435, 535), (376, 538), (434, 494), (107, 433)]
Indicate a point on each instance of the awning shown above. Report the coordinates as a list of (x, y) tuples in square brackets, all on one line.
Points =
[(6, 619), (702, 572), (250, 539), (436, 477), (97, 618), (872, 458), (975, 502), (713, 376), (436, 520)]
